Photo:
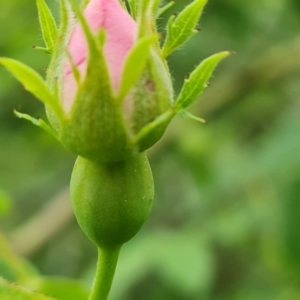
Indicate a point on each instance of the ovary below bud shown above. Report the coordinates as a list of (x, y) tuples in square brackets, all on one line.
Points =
[(112, 201)]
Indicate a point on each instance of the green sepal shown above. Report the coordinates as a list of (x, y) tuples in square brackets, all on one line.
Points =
[(43, 49), (56, 67), (180, 28), (133, 5), (187, 115), (84, 3), (75, 70), (158, 126), (55, 70), (101, 37), (32, 82), (37, 122), (11, 291), (48, 25), (164, 8), (197, 81), (134, 65), (146, 22), (151, 97), (92, 41), (124, 5), (95, 126)]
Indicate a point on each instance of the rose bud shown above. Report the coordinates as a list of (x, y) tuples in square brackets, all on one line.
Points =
[(111, 83)]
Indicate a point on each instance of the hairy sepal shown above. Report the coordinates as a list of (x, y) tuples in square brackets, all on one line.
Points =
[(32, 82), (95, 127), (37, 122), (55, 70), (182, 27), (134, 65), (197, 81), (151, 97), (48, 25)]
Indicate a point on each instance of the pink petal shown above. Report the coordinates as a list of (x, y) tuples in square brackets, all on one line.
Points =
[(120, 31)]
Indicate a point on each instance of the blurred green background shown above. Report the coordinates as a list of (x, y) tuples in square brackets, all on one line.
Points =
[(226, 217)]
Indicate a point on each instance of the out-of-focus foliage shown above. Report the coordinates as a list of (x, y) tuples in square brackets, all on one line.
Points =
[(226, 219)]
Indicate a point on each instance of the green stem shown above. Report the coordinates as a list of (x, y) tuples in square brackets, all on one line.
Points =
[(106, 266)]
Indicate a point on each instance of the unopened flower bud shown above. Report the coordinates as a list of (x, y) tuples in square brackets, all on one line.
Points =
[(104, 120)]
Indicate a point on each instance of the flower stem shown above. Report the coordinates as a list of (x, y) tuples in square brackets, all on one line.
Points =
[(106, 266)]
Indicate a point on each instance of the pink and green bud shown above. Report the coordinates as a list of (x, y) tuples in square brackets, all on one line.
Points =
[(105, 104), (108, 92), (121, 34)]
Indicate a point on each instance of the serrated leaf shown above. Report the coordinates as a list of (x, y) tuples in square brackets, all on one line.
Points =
[(31, 80), (180, 28), (134, 65), (48, 25), (11, 291), (195, 84), (37, 122)]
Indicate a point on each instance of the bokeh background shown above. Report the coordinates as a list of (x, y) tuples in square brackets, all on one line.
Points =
[(226, 217)]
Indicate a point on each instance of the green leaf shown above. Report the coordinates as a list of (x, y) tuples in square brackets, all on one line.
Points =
[(134, 65), (180, 28), (11, 291), (31, 81), (195, 84), (60, 288), (48, 25), (37, 122)]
